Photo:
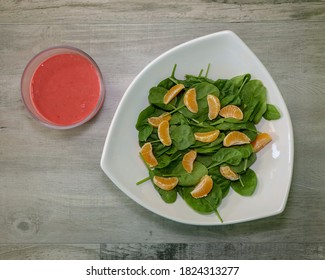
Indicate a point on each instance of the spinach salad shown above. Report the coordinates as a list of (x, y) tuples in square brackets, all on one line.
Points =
[(198, 137)]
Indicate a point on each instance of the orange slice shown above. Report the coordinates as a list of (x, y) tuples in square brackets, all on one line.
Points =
[(190, 100), (147, 155), (231, 111), (165, 183), (207, 137), (163, 133), (261, 141), (203, 188), (188, 161), (155, 121), (228, 173), (172, 93), (214, 106), (235, 138)]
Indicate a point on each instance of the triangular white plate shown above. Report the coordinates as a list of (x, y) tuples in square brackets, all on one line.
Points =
[(228, 56)]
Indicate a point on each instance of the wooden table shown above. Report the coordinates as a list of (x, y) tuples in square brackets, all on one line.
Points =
[(55, 201)]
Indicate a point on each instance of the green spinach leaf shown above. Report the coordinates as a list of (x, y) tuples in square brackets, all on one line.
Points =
[(271, 113), (247, 184), (156, 97), (182, 136), (227, 155), (206, 204)]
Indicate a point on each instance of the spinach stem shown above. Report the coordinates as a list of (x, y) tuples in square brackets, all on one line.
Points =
[(200, 72), (207, 72), (199, 124), (174, 80), (173, 72), (213, 165), (220, 121), (194, 120), (143, 180), (241, 181), (216, 211), (176, 109), (242, 85), (245, 165)]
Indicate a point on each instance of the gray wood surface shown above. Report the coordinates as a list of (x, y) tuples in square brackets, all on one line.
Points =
[(56, 203)]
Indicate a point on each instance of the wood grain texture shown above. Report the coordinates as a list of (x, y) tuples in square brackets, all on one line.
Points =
[(213, 251), (50, 252), (52, 190), (143, 11)]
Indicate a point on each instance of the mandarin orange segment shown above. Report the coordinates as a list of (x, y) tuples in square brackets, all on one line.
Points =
[(188, 161), (165, 183), (173, 92), (155, 121), (228, 173), (214, 106), (203, 188), (163, 133), (147, 155), (261, 141), (231, 111), (190, 100), (207, 137), (235, 138)]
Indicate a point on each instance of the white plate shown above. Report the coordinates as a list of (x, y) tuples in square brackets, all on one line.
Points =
[(228, 56)]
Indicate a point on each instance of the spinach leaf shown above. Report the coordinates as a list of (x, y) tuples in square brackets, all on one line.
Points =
[(231, 89), (206, 204), (192, 80), (211, 147), (203, 89), (227, 88), (241, 80), (230, 99), (226, 155), (156, 97), (159, 149), (226, 125), (178, 118), (145, 132), (166, 83), (182, 136), (271, 113), (220, 83), (245, 150), (189, 179), (202, 113), (207, 150), (164, 160), (252, 95), (247, 184), (221, 181), (167, 196), (176, 169), (261, 107), (250, 133), (206, 160), (244, 164), (144, 115)]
